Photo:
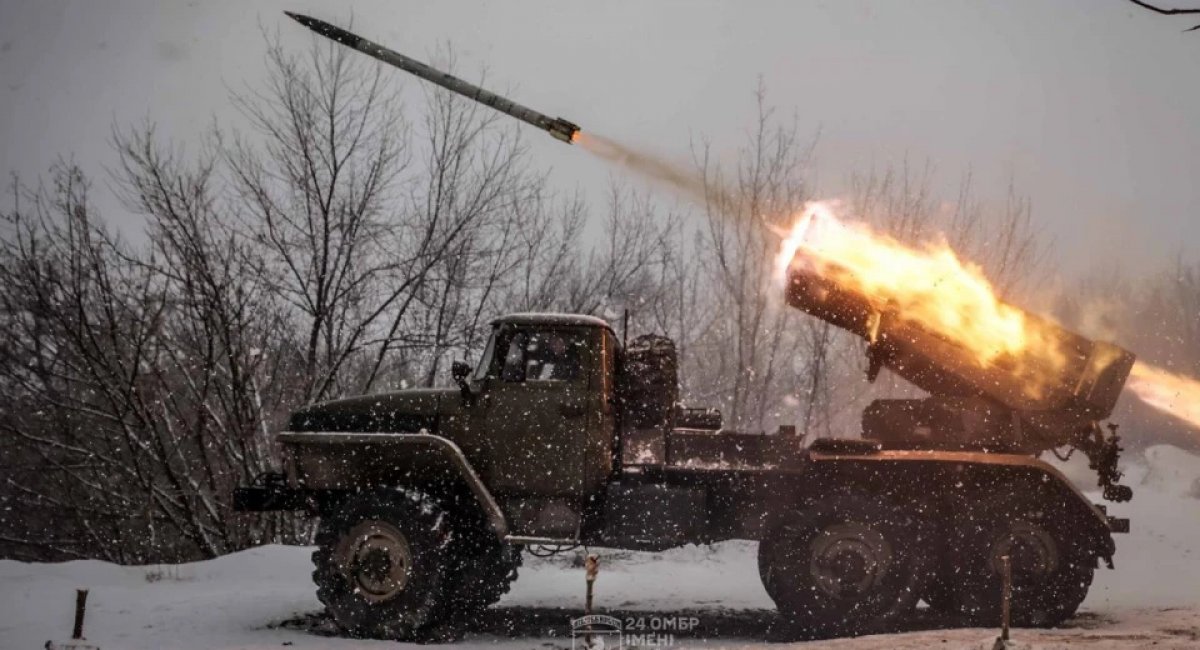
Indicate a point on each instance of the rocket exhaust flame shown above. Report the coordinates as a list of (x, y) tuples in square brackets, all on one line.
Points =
[(1168, 392), (932, 287), (928, 285)]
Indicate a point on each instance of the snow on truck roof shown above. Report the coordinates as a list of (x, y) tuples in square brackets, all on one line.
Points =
[(534, 318)]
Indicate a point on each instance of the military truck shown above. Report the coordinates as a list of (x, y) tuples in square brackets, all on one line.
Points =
[(562, 436)]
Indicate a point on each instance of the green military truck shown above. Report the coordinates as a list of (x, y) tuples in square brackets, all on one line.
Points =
[(562, 436)]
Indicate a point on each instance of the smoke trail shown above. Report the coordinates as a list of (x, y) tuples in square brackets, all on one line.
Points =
[(676, 176)]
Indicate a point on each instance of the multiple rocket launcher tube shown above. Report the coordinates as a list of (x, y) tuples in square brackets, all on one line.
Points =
[(1054, 398)]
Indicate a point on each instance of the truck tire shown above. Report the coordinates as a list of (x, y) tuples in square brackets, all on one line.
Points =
[(941, 598), (849, 564), (381, 564), (485, 568), (1052, 568)]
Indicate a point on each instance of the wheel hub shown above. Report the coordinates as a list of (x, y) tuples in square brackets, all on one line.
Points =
[(849, 559), (1031, 551), (377, 558)]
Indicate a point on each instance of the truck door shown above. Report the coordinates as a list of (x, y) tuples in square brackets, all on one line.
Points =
[(532, 411)]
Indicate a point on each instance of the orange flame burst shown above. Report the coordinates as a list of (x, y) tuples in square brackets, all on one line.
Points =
[(1166, 391), (926, 284), (932, 287)]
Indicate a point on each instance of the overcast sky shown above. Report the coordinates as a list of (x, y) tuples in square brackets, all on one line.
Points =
[(1092, 107)]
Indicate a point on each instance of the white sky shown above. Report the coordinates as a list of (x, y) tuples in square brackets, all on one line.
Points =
[(1091, 106)]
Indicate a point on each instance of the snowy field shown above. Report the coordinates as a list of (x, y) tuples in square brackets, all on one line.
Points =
[(263, 598)]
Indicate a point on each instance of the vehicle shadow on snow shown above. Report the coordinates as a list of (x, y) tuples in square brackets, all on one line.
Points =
[(716, 624)]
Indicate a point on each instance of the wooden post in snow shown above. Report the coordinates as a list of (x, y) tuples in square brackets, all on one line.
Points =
[(591, 567), (1006, 595), (1005, 602), (80, 610), (77, 640)]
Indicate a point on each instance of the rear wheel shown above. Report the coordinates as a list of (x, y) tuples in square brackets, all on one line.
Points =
[(380, 565), (851, 564), (1051, 568)]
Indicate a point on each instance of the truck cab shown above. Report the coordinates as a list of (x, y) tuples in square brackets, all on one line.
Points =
[(539, 418), (538, 421)]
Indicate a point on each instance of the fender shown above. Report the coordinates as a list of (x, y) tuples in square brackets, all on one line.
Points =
[(347, 461)]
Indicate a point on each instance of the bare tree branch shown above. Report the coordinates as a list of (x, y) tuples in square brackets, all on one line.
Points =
[(1168, 12)]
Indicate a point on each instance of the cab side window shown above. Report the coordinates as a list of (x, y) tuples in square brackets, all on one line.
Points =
[(544, 355), (553, 356)]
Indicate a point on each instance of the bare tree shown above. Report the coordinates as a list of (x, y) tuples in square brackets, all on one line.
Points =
[(65, 354), (750, 346), (291, 264), (139, 411), (474, 194), (229, 370), (370, 232), (543, 241), (679, 305), (1169, 12), (316, 178), (620, 270)]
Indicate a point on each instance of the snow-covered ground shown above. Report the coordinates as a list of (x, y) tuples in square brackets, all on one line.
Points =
[(263, 598)]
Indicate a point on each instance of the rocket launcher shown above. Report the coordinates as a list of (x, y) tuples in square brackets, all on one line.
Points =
[(1024, 402)]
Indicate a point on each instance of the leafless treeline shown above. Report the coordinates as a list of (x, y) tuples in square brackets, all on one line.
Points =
[(341, 246), (334, 248)]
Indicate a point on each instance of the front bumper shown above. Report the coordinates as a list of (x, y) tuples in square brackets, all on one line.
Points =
[(268, 499), (269, 493)]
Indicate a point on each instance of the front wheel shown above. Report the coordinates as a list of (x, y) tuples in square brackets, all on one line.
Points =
[(485, 568), (850, 564), (380, 565)]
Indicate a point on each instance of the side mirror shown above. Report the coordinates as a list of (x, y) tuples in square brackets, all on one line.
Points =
[(460, 370)]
